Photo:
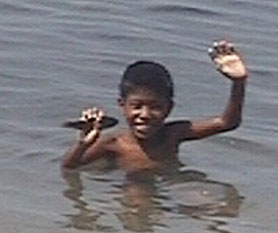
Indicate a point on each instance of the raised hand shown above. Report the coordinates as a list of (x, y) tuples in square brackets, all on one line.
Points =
[(91, 131), (228, 61)]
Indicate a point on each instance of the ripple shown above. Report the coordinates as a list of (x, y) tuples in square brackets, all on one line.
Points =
[(23, 8), (179, 9)]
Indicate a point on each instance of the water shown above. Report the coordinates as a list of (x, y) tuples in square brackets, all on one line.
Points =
[(60, 56)]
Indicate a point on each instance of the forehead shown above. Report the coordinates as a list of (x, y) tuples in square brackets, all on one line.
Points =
[(146, 95)]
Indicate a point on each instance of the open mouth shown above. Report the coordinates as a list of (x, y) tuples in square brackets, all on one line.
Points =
[(145, 129)]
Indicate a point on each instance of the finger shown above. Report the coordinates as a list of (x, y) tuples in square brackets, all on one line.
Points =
[(100, 115), (90, 136), (218, 45), (83, 115), (227, 48), (98, 120), (212, 53), (94, 111), (85, 112), (88, 114), (230, 48), (217, 49), (218, 64), (224, 47)]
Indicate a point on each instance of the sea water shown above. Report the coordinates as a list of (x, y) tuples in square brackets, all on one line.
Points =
[(58, 57)]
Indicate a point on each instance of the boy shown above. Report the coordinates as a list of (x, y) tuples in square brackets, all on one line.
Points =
[(146, 99)]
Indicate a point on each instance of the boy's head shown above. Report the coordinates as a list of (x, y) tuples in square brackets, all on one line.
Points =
[(148, 75), (146, 93)]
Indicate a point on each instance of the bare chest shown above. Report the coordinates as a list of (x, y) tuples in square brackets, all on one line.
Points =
[(132, 156)]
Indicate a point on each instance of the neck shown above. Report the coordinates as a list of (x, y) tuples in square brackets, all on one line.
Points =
[(151, 141)]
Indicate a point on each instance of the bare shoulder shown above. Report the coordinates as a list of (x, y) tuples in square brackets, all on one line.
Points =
[(106, 146), (110, 141), (179, 130)]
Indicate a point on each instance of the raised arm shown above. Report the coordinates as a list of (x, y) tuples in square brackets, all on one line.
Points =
[(89, 135), (228, 62)]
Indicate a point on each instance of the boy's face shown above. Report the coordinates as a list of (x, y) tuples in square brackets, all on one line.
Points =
[(145, 112)]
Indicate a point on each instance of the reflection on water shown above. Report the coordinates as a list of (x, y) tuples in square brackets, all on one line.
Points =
[(140, 209), (144, 199), (208, 198), (86, 217), (60, 56)]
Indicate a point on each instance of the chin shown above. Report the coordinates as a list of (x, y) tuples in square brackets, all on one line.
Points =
[(143, 135)]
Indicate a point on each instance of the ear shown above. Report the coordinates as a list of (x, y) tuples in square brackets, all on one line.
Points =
[(170, 107), (120, 102)]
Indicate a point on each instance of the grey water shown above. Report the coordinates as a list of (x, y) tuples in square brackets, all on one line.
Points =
[(58, 57)]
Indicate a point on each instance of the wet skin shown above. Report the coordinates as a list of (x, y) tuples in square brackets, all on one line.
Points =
[(145, 113), (149, 142)]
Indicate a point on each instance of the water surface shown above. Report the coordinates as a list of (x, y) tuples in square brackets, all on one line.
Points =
[(60, 56)]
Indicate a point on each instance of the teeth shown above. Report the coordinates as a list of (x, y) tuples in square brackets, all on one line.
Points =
[(142, 127)]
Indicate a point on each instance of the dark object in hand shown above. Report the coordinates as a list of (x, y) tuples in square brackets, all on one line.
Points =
[(107, 122)]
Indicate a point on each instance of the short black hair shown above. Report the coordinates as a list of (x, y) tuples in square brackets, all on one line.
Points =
[(147, 74)]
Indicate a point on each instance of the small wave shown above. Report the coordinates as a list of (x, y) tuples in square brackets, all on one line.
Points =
[(12, 8), (260, 5), (4, 6), (183, 10)]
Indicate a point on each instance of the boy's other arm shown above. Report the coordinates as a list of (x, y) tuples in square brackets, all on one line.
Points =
[(230, 64), (89, 138)]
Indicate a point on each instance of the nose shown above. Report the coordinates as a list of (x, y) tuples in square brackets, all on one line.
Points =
[(145, 113)]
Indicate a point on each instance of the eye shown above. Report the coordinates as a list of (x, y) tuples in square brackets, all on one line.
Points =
[(156, 106), (135, 105)]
